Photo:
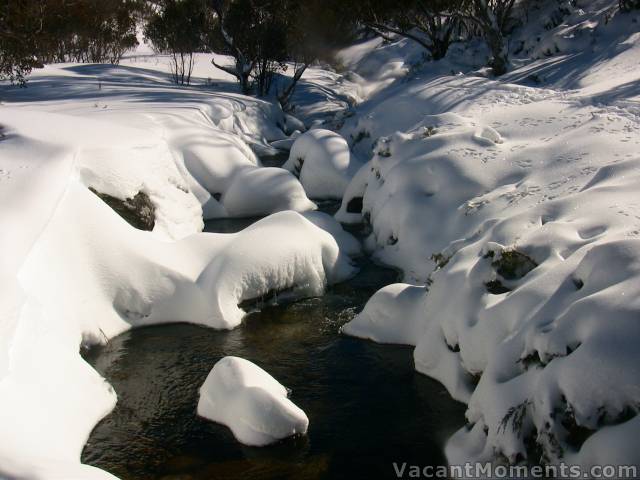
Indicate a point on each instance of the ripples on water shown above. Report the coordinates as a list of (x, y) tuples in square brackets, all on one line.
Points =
[(366, 405)]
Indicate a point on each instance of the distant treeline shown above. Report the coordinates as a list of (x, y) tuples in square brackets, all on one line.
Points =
[(264, 37), (35, 32)]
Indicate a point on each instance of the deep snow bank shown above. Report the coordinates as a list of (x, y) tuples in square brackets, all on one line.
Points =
[(252, 403), (516, 208)]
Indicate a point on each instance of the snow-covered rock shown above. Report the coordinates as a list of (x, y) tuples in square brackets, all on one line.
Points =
[(260, 191), (392, 315), (242, 396), (323, 162)]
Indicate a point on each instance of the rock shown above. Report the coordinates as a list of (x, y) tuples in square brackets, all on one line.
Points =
[(138, 211)]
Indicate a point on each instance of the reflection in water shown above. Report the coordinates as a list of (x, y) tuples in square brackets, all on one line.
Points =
[(366, 405)]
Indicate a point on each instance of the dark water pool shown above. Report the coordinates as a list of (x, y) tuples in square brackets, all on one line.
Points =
[(366, 405)]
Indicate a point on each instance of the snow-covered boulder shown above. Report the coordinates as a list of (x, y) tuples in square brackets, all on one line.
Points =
[(260, 191), (286, 143), (392, 315), (323, 162), (242, 396)]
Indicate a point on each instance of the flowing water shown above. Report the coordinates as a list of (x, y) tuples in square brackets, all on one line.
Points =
[(366, 405)]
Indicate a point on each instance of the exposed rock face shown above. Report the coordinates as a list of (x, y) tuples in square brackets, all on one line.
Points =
[(138, 211)]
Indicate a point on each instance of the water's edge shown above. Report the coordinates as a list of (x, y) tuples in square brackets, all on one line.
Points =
[(367, 406)]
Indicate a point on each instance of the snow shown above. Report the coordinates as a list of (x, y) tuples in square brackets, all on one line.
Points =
[(78, 274), (259, 191), (196, 137), (323, 162), (125, 279), (390, 316), (455, 175), (242, 396), (465, 173)]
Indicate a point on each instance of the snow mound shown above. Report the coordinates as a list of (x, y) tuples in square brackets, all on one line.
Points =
[(284, 251), (488, 136), (260, 191), (323, 162), (390, 316), (242, 396)]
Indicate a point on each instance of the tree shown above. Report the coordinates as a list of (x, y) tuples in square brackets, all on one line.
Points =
[(267, 37), (180, 28), (494, 18), (430, 23), (20, 27), (93, 31), (314, 30), (34, 32), (234, 40)]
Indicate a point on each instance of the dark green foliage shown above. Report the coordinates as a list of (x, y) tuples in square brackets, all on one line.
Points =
[(441, 260), (19, 31), (515, 416), (95, 31), (432, 24), (266, 37)]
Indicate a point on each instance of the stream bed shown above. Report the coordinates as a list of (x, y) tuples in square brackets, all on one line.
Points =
[(367, 406)]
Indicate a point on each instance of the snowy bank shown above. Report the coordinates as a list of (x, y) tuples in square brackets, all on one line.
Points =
[(516, 208), (242, 396)]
